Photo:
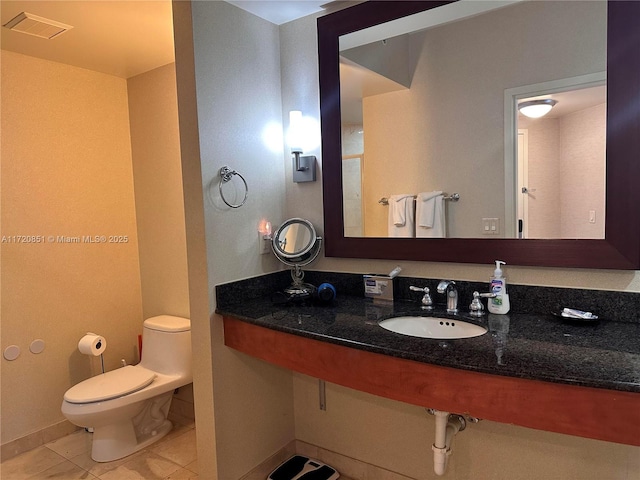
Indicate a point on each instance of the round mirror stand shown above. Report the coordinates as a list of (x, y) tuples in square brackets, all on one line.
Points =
[(298, 288), (296, 244)]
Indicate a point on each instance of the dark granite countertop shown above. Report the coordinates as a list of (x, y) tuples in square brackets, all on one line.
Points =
[(544, 347)]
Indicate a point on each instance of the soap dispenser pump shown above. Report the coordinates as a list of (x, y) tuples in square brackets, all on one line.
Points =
[(500, 303)]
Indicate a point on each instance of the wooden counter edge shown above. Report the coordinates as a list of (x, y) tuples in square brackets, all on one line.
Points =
[(601, 414)]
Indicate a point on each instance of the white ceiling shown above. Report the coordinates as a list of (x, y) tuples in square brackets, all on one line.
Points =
[(282, 11), (119, 37)]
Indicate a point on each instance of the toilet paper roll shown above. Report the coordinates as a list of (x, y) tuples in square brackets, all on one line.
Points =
[(92, 344)]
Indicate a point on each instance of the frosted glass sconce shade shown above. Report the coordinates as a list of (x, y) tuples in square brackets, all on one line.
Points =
[(304, 167)]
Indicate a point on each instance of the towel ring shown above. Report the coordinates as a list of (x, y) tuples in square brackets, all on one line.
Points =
[(225, 175)]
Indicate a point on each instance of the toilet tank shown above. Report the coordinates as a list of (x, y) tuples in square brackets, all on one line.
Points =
[(166, 345)]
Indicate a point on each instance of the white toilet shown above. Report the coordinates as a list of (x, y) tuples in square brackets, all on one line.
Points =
[(128, 407)]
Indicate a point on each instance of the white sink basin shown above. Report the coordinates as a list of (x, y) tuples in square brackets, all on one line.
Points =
[(432, 327)]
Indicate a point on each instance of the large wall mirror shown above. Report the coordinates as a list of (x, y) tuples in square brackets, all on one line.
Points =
[(421, 97)]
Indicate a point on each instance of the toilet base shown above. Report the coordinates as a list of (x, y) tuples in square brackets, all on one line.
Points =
[(116, 441)]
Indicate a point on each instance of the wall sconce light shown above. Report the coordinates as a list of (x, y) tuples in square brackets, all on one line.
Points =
[(536, 108), (304, 167)]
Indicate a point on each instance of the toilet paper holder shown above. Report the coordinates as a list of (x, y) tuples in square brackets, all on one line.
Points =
[(93, 344)]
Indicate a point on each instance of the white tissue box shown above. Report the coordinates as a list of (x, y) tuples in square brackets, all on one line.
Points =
[(378, 287)]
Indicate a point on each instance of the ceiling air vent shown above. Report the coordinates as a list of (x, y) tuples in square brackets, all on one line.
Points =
[(38, 26)]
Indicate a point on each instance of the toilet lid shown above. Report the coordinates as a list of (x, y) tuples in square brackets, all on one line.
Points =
[(113, 384), (168, 323)]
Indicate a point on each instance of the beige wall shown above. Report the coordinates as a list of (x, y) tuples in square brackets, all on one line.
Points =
[(582, 157), (199, 295), (66, 171), (447, 131), (157, 174), (237, 68), (85, 187), (153, 114)]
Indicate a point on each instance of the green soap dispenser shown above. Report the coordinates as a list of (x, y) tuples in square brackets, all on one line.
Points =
[(500, 303)]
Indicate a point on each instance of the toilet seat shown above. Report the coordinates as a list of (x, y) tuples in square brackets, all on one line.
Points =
[(113, 384)]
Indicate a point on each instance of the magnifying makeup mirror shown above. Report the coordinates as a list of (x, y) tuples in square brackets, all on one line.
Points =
[(296, 244)]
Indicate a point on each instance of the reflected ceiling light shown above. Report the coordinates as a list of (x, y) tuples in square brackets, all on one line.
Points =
[(536, 108)]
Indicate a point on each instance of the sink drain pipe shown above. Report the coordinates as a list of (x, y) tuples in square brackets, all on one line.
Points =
[(447, 426)]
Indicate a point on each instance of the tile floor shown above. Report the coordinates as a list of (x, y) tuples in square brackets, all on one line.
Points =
[(69, 458)]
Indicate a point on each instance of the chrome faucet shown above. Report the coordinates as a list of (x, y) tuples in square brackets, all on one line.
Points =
[(448, 287), (427, 303), (476, 309)]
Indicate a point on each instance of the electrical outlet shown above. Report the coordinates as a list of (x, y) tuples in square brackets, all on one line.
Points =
[(264, 243)]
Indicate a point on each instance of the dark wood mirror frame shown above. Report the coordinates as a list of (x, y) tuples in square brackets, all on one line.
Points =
[(621, 247)]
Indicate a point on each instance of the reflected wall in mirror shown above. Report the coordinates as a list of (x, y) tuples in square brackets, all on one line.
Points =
[(430, 105), (468, 146)]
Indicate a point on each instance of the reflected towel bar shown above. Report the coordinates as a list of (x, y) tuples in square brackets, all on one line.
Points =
[(454, 197)]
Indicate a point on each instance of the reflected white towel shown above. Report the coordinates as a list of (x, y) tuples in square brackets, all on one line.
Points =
[(401, 216), (430, 215)]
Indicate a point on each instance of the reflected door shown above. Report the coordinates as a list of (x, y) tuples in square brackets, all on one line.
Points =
[(522, 212)]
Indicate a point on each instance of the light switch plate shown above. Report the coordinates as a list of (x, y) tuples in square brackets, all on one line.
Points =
[(491, 226)]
